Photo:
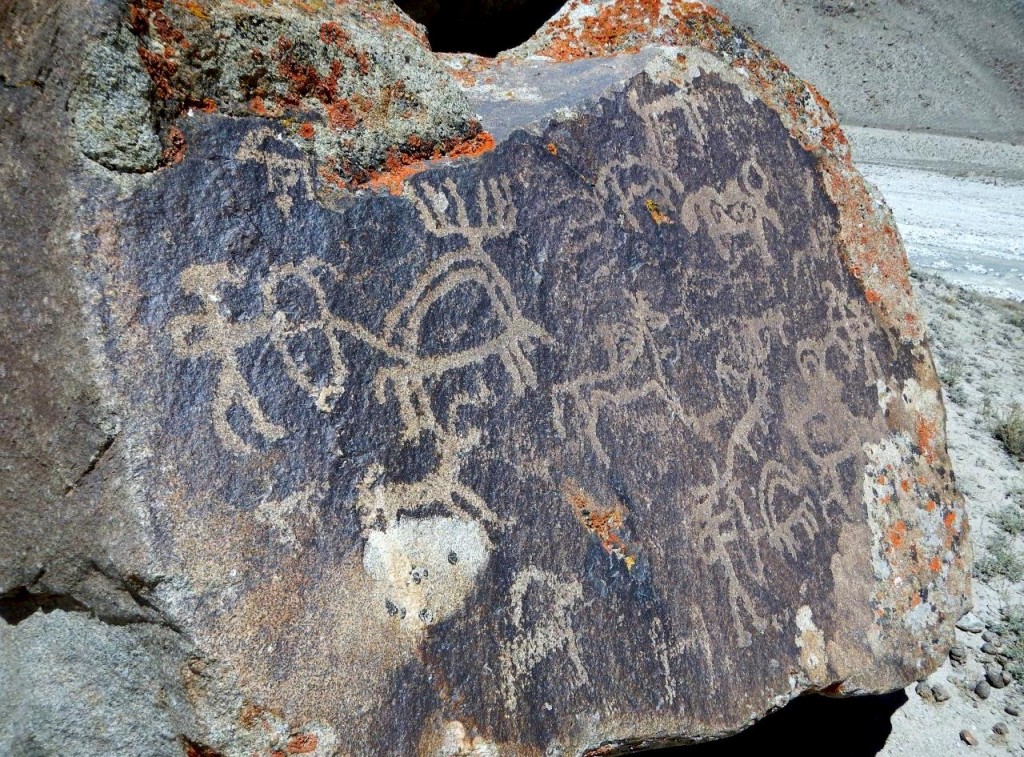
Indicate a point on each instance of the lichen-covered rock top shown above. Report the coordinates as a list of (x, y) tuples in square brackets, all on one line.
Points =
[(606, 422), (354, 83)]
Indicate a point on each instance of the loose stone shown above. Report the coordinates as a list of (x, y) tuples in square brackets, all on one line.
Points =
[(968, 738), (983, 689), (996, 676), (970, 623)]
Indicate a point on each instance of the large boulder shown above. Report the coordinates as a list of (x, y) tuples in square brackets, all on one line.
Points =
[(364, 401)]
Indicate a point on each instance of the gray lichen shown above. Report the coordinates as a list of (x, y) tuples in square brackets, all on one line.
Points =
[(112, 107)]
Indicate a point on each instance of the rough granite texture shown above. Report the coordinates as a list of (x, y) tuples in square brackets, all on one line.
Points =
[(576, 404)]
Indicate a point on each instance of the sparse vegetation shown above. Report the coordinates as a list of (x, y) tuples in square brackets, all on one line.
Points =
[(1010, 431), (986, 411), (1010, 518), (951, 375), (1011, 629), (1000, 561)]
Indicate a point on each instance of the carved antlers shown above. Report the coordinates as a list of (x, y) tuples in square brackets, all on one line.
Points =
[(444, 212)]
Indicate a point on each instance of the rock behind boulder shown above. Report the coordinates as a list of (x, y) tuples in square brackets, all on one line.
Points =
[(587, 410)]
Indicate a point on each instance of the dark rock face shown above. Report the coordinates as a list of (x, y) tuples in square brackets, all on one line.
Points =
[(591, 439)]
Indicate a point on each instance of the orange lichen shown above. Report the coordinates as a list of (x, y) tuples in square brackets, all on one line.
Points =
[(176, 145), (199, 750), (469, 148), (161, 72), (656, 213), (604, 523), (331, 33), (257, 106), (302, 743), (930, 505), (935, 565), (415, 158), (397, 169), (926, 437), (306, 131), (398, 20), (622, 27), (250, 715), (897, 534), (340, 115), (193, 7), (552, 148)]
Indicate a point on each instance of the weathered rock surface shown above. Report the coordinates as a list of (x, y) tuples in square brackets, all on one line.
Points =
[(576, 401)]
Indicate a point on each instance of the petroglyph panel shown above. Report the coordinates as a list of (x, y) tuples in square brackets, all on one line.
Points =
[(466, 440)]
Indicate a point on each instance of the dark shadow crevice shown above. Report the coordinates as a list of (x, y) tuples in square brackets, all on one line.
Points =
[(850, 727), (18, 604), (481, 27)]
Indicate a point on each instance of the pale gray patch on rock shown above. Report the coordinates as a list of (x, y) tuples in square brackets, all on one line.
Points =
[(112, 108), (67, 678), (429, 565)]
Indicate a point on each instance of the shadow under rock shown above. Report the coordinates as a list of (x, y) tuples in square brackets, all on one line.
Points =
[(810, 725), (482, 27)]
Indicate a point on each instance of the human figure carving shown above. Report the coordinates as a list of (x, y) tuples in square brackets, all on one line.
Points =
[(406, 369), (633, 372)]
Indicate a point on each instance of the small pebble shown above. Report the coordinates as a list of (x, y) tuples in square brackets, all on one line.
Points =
[(940, 692), (968, 738), (988, 636), (925, 691), (958, 654), (970, 624), (995, 676), (1012, 710), (989, 648), (983, 689), (1001, 728)]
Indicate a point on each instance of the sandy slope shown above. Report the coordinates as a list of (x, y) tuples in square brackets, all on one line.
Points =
[(946, 66)]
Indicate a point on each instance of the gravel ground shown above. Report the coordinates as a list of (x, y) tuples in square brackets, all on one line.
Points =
[(978, 345)]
